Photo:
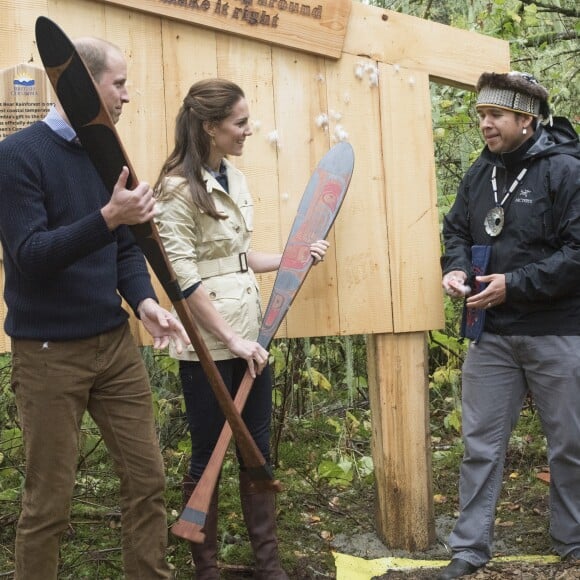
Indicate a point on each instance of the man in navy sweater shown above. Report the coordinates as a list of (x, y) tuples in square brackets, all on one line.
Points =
[(69, 257)]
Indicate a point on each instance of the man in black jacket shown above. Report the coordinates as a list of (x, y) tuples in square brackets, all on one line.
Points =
[(519, 206)]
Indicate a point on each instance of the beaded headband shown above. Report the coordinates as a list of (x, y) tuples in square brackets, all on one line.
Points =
[(508, 99), (514, 91)]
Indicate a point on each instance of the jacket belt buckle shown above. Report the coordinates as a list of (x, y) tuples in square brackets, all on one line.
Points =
[(243, 262)]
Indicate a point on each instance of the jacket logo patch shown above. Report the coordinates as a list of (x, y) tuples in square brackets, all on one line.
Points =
[(523, 196)]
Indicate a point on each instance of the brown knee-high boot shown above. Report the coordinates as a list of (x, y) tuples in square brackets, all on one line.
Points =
[(259, 509), (204, 555)]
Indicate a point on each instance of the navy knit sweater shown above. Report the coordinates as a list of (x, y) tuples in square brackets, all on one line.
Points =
[(64, 268)]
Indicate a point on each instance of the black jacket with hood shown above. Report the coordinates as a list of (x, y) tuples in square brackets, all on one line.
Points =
[(538, 249)]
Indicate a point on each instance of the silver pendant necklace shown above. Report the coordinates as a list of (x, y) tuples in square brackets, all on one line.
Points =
[(494, 218)]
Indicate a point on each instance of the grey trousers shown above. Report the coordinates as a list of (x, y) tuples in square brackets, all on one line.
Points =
[(497, 374)]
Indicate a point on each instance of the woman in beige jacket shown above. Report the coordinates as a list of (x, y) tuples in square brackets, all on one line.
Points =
[(205, 219)]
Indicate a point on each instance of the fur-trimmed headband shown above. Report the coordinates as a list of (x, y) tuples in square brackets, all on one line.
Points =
[(515, 91)]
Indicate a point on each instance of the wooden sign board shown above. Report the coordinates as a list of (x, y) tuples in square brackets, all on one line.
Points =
[(24, 98), (315, 26), (382, 273)]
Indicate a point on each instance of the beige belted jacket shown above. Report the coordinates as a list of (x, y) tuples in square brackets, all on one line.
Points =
[(213, 251)]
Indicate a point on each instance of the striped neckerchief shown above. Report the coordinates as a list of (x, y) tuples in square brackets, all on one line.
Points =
[(221, 176)]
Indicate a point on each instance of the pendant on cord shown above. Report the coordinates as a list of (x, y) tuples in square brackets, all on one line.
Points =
[(494, 218), (493, 221)]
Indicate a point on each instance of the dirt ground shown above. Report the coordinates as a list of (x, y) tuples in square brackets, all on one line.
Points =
[(522, 542), (523, 534), (503, 571)]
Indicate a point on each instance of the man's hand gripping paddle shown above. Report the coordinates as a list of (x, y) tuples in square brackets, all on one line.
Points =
[(316, 214), (84, 108)]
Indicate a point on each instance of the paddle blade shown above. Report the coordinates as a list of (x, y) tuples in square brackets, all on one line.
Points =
[(188, 531), (80, 99), (317, 211)]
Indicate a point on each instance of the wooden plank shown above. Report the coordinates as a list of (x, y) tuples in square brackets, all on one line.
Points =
[(312, 27), (447, 54), (249, 64), (301, 146), (17, 31), (398, 394), (411, 200), (143, 120), (76, 21), (180, 43), (363, 278), (142, 126)]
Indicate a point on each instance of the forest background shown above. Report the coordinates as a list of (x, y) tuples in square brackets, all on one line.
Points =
[(321, 422)]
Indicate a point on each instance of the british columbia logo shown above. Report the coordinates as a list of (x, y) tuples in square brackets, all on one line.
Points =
[(24, 86)]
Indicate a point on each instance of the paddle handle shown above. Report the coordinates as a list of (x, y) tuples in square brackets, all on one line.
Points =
[(189, 526)]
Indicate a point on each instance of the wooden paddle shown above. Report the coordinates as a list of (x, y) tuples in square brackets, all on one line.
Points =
[(82, 103), (318, 209)]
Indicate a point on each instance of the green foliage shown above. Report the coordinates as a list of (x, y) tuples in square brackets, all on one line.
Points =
[(316, 375), (321, 424), (338, 471), (11, 451), (345, 461)]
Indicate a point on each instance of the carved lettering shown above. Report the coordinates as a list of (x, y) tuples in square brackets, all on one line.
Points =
[(252, 17), (203, 5), (221, 9)]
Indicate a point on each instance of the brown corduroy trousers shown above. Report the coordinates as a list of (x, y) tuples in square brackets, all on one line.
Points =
[(54, 384)]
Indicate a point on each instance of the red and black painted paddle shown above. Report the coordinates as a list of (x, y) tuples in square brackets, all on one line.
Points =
[(317, 211)]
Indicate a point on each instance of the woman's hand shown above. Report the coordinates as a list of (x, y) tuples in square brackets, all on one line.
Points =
[(318, 250), (253, 352)]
